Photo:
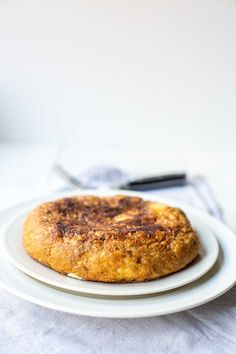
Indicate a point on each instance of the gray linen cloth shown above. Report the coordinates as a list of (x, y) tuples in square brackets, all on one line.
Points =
[(26, 328)]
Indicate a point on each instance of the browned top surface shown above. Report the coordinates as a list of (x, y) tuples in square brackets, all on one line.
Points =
[(114, 217)]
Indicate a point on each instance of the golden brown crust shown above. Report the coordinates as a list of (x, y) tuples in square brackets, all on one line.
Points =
[(110, 239)]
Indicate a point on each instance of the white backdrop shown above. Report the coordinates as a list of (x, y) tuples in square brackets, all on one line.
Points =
[(114, 72)]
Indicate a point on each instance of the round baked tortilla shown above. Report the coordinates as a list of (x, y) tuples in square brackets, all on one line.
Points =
[(110, 239)]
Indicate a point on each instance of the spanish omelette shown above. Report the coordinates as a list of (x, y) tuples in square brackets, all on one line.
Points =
[(115, 239)]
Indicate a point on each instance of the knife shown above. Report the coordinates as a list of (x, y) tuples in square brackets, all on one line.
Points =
[(147, 183)]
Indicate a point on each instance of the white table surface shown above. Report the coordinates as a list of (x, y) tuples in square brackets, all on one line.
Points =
[(27, 171)]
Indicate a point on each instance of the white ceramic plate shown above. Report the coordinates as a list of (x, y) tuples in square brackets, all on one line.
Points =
[(213, 284), (12, 245)]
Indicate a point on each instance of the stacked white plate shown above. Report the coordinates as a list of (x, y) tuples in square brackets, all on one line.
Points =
[(209, 276)]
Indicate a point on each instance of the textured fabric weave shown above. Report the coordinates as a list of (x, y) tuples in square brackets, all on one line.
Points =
[(208, 329)]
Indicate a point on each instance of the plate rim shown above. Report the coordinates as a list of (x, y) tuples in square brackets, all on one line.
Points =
[(90, 291)]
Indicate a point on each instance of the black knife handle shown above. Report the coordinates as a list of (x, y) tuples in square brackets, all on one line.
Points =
[(156, 182)]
